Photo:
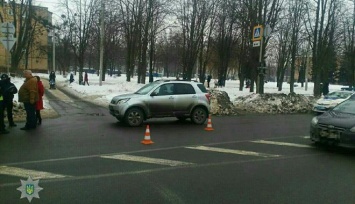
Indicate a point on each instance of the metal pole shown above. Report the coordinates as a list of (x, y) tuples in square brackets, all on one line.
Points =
[(260, 80), (102, 29), (53, 51), (8, 62), (306, 70)]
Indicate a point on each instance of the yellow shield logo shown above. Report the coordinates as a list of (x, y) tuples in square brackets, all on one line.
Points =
[(30, 188)]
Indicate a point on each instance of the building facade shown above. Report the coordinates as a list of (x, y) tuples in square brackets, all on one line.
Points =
[(35, 54)]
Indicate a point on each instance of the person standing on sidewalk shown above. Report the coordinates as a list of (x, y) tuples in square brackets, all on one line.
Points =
[(8, 91), (86, 79), (28, 95), (2, 109), (39, 103)]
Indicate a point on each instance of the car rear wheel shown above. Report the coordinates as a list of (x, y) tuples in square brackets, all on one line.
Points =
[(134, 117), (199, 116)]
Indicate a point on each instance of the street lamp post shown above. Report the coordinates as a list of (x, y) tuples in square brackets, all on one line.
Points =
[(53, 39)]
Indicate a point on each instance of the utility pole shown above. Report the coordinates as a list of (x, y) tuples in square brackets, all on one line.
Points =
[(102, 33), (53, 39)]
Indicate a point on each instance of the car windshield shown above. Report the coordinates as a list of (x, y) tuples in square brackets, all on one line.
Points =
[(147, 88), (347, 106), (337, 94)]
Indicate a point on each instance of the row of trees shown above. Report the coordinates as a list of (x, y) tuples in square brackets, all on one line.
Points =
[(198, 37)]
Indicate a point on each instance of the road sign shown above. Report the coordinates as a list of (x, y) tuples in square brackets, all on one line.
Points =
[(7, 28), (8, 42), (257, 33), (256, 43)]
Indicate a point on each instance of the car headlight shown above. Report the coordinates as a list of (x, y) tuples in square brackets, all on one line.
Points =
[(314, 121), (352, 129), (122, 101)]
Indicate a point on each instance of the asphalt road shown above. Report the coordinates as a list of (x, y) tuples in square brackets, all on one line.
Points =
[(86, 156)]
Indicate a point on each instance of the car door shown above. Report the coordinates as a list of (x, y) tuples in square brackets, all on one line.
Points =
[(161, 102), (185, 98)]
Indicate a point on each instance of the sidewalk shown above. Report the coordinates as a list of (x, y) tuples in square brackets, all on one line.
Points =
[(19, 114)]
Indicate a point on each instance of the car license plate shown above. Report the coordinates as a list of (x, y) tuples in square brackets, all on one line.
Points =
[(334, 135)]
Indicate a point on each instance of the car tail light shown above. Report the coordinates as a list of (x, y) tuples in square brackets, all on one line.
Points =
[(208, 96)]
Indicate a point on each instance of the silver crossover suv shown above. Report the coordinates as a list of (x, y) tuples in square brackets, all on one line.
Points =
[(163, 98)]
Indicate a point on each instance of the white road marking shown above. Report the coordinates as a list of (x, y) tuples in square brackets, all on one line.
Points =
[(25, 173), (306, 137), (232, 151), (282, 143), (147, 160)]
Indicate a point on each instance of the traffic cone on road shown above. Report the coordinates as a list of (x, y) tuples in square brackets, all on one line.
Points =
[(147, 140), (209, 124)]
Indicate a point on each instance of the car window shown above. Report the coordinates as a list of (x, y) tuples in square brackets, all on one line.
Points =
[(345, 95), (347, 106), (202, 88), (181, 88), (165, 89), (147, 88)]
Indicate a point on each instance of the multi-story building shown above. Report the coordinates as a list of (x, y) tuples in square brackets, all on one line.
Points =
[(35, 57)]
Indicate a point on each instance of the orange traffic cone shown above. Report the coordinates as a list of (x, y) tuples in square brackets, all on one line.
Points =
[(209, 124), (147, 140)]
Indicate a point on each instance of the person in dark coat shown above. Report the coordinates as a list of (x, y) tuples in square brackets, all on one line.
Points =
[(325, 88), (8, 91), (71, 79), (209, 77), (39, 103), (2, 109), (52, 76), (86, 78)]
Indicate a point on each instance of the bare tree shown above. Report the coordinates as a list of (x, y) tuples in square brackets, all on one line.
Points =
[(80, 15), (192, 16), (322, 30), (225, 36)]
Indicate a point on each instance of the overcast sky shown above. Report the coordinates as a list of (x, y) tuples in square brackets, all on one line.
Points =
[(51, 4)]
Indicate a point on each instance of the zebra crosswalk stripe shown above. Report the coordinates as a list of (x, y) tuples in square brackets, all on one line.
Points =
[(25, 173), (232, 151), (147, 160), (281, 143)]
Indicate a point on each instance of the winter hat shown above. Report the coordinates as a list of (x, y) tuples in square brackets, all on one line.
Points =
[(4, 76)]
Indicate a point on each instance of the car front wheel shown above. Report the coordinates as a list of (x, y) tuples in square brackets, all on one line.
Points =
[(199, 116), (134, 117)]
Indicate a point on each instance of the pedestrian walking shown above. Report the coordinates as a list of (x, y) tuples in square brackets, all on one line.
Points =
[(71, 79), (28, 95), (52, 80), (86, 79), (8, 91), (209, 77), (52, 76), (39, 103)]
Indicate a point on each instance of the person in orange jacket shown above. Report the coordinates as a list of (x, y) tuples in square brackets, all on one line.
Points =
[(28, 95), (39, 103)]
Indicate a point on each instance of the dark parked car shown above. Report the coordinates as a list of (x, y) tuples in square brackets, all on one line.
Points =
[(336, 126), (163, 98)]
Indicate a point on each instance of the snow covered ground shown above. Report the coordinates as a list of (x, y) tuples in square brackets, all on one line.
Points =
[(115, 85)]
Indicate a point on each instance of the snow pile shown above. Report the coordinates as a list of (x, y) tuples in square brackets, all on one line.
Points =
[(276, 103), (221, 104), (268, 103)]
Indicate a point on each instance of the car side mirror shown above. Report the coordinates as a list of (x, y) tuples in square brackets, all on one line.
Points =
[(153, 94)]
